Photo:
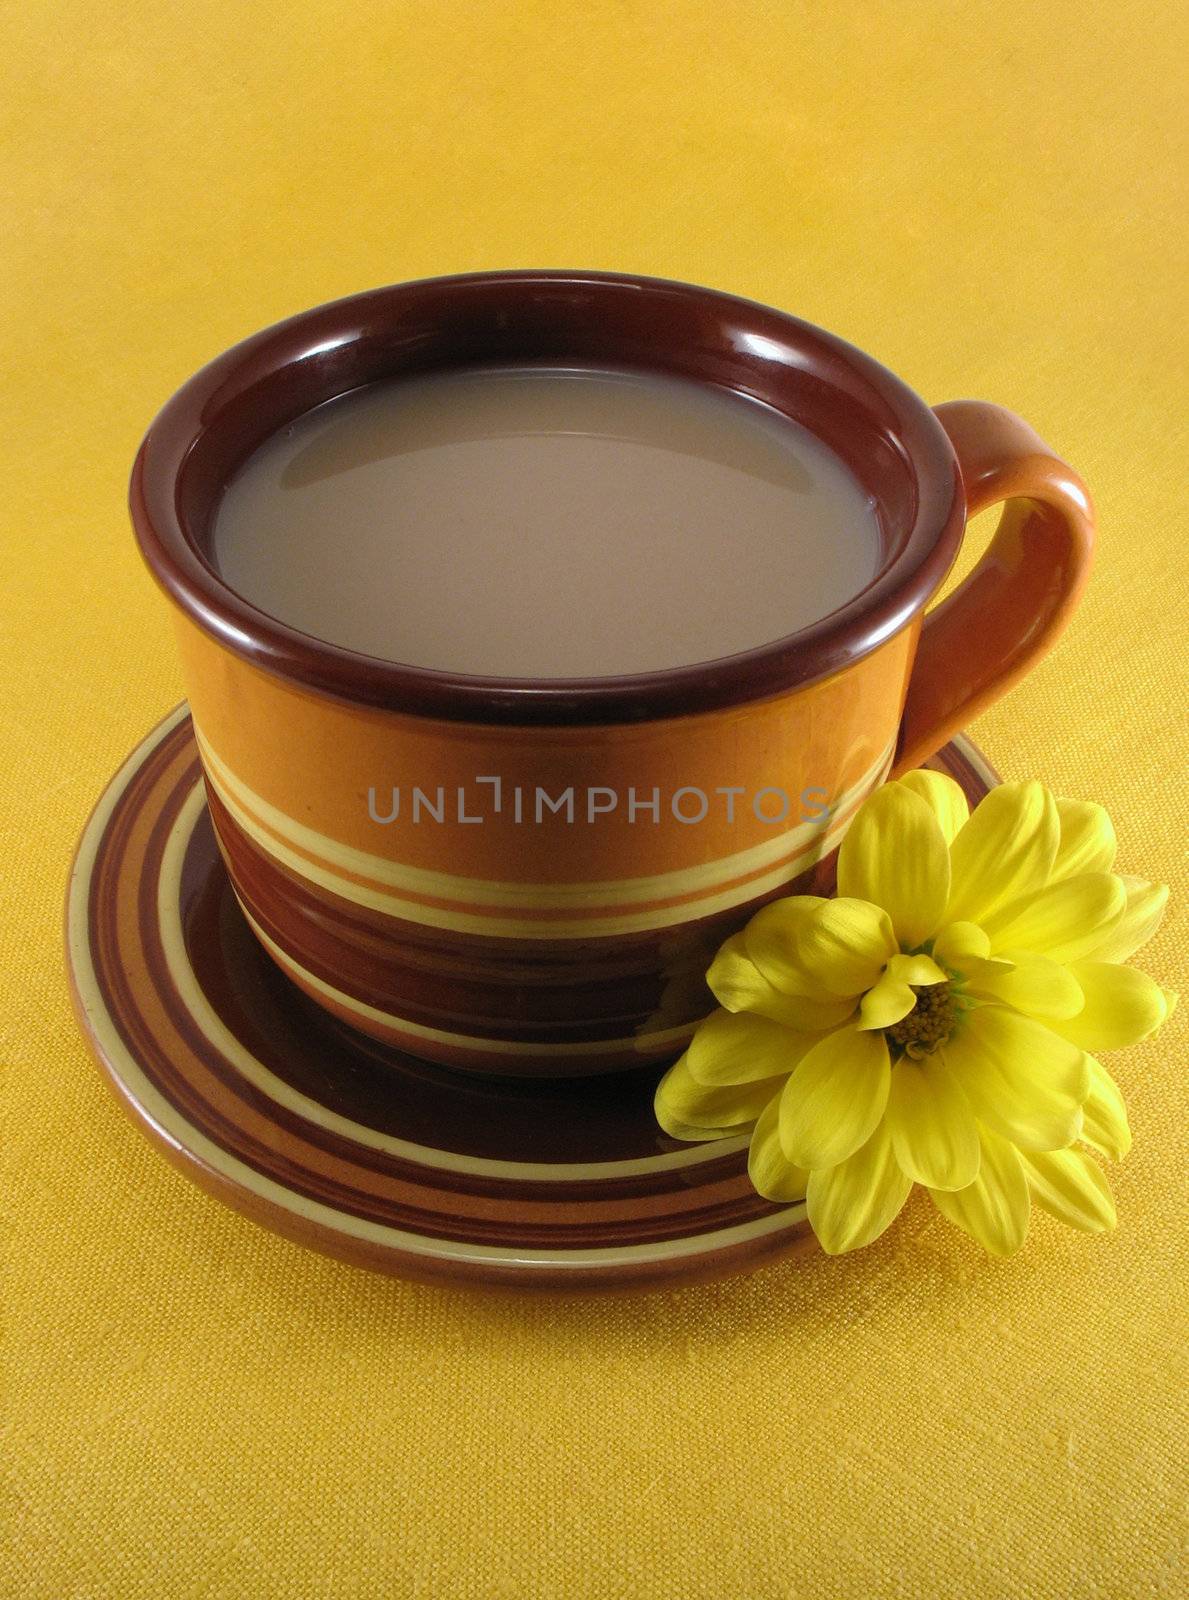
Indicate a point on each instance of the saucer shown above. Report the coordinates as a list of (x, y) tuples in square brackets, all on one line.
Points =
[(350, 1146)]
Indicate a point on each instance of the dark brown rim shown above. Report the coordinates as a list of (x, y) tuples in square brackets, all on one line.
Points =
[(887, 434)]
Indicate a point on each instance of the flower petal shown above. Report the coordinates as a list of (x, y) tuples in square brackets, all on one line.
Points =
[(944, 798), (689, 1134), (732, 1047), (888, 1003), (739, 985), (1073, 1187), (1087, 840), (1141, 917), (920, 970), (773, 936), (835, 1098), (958, 942), (687, 1109), (1064, 921), (1032, 984), (1022, 1080), (894, 854), (993, 1209), (843, 946), (892, 997), (1006, 850), (772, 1173), (1123, 1006), (1104, 1116), (852, 1203), (934, 1133)]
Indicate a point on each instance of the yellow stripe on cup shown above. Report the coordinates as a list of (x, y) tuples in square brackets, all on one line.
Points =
[(369, 880), (201, 1012)]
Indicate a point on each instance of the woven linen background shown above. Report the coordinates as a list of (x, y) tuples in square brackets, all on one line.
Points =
[(987, 196)]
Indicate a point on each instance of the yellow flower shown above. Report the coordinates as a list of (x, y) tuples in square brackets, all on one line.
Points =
[(933, 1023)]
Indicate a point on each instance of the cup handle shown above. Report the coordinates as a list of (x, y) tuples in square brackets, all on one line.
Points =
[(1010, 609)]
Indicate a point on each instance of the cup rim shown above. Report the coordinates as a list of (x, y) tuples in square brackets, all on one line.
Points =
[(327, 342)]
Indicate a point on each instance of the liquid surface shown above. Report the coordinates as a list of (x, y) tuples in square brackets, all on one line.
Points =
[(541, 522)]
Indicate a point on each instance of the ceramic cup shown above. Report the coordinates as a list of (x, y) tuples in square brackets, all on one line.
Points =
[(505, 936)]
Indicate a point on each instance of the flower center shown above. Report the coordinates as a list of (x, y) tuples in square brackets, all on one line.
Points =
[(928, 1024)]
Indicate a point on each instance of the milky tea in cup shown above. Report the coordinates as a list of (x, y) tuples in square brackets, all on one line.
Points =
[(546, 522)]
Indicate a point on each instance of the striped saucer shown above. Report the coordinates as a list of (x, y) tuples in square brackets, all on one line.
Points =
[(350, 1146)]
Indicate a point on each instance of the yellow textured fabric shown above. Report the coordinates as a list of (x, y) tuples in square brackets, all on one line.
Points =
[(986, 196)]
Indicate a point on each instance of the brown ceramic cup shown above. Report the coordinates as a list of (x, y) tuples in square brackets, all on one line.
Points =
[(554, 942)]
